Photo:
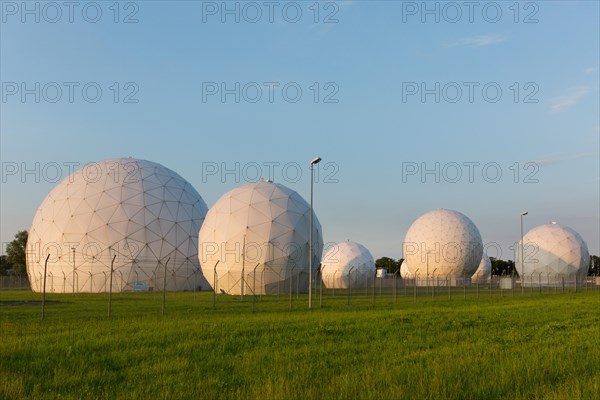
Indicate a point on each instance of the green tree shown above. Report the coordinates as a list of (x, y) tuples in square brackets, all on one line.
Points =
[(389, 264), (15, 253), (5, 266), (501, 267)]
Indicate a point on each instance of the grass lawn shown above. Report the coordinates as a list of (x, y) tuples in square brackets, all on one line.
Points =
[(537, 346)]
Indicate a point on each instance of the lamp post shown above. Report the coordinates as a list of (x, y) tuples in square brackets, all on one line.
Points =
[(310, 238), (524, 213)]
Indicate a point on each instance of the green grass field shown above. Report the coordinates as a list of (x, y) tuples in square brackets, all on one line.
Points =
[(543, 346)]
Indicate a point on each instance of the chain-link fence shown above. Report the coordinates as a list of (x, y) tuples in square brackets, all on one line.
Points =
[(288, 286), (14, 282)]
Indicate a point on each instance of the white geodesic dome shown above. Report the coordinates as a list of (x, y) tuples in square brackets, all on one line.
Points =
[(442, 243), (484, 271), (259, 235), (552, 254), (137, 210), (404, 270), (347, 264)]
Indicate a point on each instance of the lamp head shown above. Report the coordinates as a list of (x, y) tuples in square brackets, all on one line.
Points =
[(315, 161)]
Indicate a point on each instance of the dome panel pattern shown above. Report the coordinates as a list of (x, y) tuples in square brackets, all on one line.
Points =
[(135, 211), (552, 253), (258, 233), (443, 243), (347, 264)]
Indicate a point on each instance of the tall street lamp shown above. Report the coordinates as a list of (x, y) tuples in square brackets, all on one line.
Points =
[(524, 213), (310, 239)]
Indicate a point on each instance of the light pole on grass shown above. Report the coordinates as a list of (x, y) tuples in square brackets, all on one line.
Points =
[(310, 238), (524, 213)]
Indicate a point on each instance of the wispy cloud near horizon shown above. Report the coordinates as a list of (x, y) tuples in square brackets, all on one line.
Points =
[(570, 98), (478, 41)]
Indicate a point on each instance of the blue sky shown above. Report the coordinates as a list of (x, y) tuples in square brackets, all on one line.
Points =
[(368, 120)]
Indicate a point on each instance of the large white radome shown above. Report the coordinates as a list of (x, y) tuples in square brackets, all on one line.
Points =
[(347, 264), (140, 211), (484, 271), (448, 239), (259, 234), (552, 252)]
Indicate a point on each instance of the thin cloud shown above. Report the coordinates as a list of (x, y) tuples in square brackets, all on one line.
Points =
[(572, 97), (479, 41), (556, 158), (590, 70)]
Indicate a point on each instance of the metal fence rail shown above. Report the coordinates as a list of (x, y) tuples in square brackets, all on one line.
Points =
[(374, 292)]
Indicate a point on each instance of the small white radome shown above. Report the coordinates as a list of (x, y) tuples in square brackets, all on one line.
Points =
[(347, 264)]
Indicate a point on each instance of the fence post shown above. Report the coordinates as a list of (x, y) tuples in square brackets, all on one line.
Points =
[(350, 284), (531, 280), (44, 288), (320, 286), (291, 283), (396, 285), (254, 287), (415, 295), (215, 285), (373, 290), (334, 284), (433, 284), (164, 297), (73, 248), (110, 285)]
